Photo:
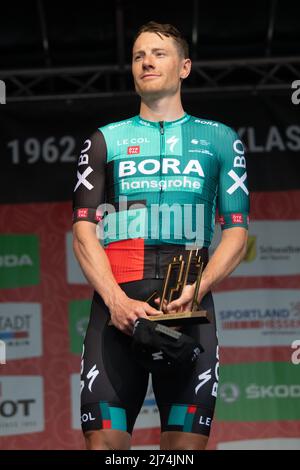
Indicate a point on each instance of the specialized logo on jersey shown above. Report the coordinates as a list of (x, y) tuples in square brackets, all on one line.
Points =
[(91, 375), (84, 160), (203, 378), (238, 162), (172, 141), (157, 356)]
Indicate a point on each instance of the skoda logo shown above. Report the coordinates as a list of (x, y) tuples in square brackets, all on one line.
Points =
[(229, 393)]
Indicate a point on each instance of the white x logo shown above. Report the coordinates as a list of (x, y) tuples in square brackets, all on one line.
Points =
[(239, 182), (82, 179)]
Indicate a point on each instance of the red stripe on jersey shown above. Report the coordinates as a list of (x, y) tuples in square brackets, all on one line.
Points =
[(106, 424), (192, 409), (126, 258)]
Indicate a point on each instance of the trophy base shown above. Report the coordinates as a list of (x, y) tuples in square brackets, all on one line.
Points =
[(182, 318)]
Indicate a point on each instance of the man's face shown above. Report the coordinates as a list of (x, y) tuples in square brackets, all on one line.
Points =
[(156, 66)]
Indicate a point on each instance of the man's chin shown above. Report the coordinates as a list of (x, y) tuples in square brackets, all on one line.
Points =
[(150, 93)]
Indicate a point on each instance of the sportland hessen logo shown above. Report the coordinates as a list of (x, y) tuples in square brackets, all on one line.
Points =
[(259, 317)]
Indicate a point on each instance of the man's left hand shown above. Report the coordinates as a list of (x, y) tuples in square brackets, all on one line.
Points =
[(183, 303)]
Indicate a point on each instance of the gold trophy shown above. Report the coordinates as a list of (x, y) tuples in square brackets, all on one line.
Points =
[(181, 268)]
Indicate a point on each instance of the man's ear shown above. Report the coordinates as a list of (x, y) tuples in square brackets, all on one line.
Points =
[(186, 68)]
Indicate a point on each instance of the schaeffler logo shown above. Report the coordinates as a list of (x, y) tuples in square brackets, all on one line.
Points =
[(229, 392), (2, 352), (2, 92), (296, 93)]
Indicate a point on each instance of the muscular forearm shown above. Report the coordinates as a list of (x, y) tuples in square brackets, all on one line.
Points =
[(227, 256), (96, 267)]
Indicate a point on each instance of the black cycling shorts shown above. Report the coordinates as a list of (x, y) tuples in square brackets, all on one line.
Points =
[(114, 384)]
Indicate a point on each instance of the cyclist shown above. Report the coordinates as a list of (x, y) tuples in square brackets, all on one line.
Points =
[(127, 170)]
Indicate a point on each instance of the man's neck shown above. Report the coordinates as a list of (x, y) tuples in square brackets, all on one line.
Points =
[(164, 109)]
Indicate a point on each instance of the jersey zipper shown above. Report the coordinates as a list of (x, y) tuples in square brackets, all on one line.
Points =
[(161, 154)]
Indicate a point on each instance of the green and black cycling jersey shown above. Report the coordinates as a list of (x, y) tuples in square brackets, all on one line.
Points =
[(155, 188), (155, 183)]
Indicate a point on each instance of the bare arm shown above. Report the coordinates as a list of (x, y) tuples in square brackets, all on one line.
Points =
[(233, 208), (227, 256), (96, 267), (94, 262), (229, 253), (89, 194)]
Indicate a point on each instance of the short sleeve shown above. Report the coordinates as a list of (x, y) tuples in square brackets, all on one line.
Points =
[(233, 193), (89, 190)]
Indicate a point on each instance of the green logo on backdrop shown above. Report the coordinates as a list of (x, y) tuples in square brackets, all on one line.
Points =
[(263, 391), (19, 261), (79, 313)]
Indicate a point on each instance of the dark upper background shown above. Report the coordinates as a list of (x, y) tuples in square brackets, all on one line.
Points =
[(86, 33), (66, 66)]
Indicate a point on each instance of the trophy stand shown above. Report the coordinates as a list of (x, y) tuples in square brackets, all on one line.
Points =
[(196, 314)]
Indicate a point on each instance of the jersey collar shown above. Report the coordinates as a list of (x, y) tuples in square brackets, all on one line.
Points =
[(178, 122)]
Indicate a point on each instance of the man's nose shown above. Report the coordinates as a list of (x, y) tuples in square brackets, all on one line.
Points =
[(148, 62)]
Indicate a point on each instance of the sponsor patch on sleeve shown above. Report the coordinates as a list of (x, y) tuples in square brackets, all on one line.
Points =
[(237, 218), (82, 213)]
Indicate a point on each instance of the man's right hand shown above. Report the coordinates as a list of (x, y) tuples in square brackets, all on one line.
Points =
[(125, 311)]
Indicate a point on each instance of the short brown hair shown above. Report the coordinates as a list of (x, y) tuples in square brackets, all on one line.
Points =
[(166, 30)]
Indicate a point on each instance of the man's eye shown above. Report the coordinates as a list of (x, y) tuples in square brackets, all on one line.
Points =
[(160, 54), (137, 57)]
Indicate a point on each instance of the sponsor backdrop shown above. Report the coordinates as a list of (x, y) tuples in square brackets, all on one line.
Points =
[(45, 300)]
